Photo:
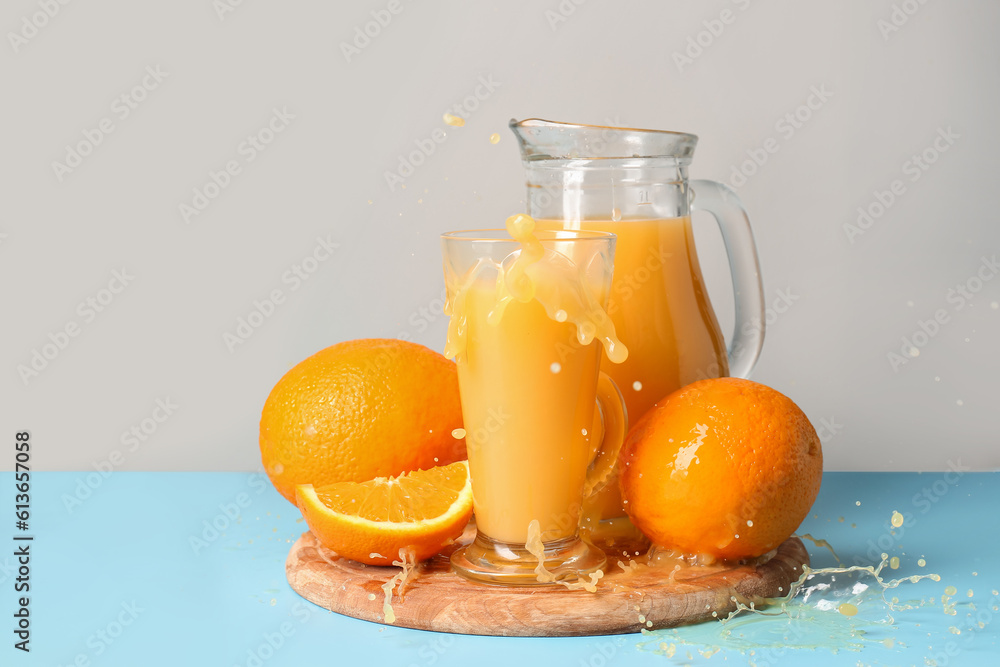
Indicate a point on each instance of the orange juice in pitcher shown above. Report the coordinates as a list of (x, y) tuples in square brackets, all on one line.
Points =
[(634, 183)]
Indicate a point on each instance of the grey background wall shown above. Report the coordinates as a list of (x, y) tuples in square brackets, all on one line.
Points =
[(167, 165)]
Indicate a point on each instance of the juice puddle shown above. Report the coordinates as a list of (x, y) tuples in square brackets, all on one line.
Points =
[(835, 608)]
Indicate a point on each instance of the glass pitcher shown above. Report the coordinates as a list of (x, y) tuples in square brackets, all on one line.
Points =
[(635, 184)]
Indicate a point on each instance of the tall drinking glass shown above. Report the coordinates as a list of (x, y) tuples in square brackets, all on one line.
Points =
[(543, 424)]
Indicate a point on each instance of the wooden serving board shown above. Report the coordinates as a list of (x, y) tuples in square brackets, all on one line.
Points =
[(435, 598)]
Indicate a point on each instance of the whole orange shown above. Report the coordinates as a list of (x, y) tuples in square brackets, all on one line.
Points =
[(724, 467), (359, 410)]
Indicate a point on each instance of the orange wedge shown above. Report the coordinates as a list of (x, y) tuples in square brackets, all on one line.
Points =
[(371, 521)]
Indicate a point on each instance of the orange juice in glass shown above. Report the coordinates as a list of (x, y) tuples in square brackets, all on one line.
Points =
[(543, 424)]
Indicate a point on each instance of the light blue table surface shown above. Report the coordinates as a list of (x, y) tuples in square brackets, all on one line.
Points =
[(134, 575)]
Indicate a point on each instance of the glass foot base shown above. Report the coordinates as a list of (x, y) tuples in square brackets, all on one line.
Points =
[(493, 562)]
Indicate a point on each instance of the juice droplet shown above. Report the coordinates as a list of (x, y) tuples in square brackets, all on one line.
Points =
[(454, 121), (494, 138), (950, 590), (894, 562), (749, 522), (555, 367), (637, 385), (521, 226), (560, 315), (858, 503), (458, 433), (897, 519), (921, 562), (969, 594), (616, 214), (584, 431), (847, 609)]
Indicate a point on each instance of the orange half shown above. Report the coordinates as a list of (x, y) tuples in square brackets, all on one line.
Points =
[(372, 521)]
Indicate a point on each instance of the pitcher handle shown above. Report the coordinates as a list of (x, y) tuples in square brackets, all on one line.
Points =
[(614, 423), (734, 223)]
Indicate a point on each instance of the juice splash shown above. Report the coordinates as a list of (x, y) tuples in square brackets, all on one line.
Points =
[(829, 547), (408, 565), (866, 582), (408, 569), (842, 608), (533, 273), (838, 608), (536, 548), (660, 307)]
